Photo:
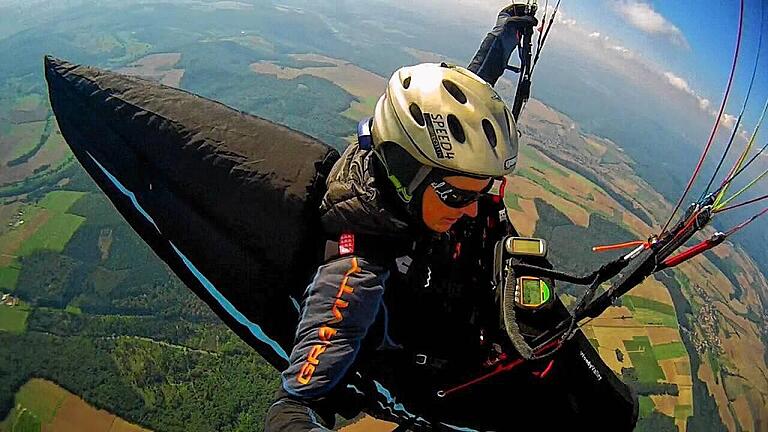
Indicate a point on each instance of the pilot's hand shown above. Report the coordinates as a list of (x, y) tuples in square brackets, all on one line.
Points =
[(514, 16)]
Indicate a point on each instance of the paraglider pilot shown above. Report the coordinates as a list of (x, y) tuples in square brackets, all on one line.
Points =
[(439, 143)]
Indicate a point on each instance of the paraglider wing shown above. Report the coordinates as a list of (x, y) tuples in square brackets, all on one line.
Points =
[(228, 200)]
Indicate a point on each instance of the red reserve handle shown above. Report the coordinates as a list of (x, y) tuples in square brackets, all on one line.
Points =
[(694, 251)]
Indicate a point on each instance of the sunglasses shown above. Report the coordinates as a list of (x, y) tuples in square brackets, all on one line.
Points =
[(457, 198)]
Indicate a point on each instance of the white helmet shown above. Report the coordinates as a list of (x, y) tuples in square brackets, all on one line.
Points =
[(447, 117)]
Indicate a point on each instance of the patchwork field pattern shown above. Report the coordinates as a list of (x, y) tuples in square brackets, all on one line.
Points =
[(34, 227), (364, 85), (43, 406)]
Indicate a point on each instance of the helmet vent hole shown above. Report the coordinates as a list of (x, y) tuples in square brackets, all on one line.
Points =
[(490, 132), (456, 129), (455, 91), (407, 83), (417, 114), (507, 118)]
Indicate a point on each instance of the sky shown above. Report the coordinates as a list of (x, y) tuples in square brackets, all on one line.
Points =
[(685, 44), (679, 51), (691, 43)]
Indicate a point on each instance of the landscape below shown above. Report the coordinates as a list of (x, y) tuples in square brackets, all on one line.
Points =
[(89, 312)]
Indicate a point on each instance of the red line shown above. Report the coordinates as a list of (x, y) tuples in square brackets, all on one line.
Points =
[(717, 120)]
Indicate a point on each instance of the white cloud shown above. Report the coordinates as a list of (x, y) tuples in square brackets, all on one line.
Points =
[(642, 16), (678, 82), (744, 134), (634, 64), (682, 85), (728, 121)]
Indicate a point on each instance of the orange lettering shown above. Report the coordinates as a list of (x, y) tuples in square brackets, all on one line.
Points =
[(305, 374), (344, 288), (314, 353), (337, 316), (325, 333)]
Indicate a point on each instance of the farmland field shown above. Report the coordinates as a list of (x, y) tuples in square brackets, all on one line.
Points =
[(21, 139), (13, 319), (8, 277), (60, 201), (54, 235), (644, 360), (43, 405), (669, 351), (364, 85)]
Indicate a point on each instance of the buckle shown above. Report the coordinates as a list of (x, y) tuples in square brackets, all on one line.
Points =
[(421, 359)]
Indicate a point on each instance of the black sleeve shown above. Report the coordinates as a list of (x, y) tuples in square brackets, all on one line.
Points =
[(492, 57)]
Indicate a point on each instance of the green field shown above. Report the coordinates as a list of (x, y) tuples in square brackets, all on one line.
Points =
[(357, 112), (646, 406), (54, 235), (512, 201), (28, 102), (25, 421), (42, 398), (669, 351), (649, 317), (8, 277), (60, 201), (682, 412), (650, 312), (24, 137), (634, 302), (13, 319), (134, 49), (534, 160), (644, 359)]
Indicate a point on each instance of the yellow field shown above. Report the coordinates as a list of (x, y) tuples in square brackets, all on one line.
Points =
[(369, 424), (11, 241), (53, 153), (366, 86), (665, 404), (61, 411), (158, 67), (525, 220), (663, 335), (528, 190), (653, 290)]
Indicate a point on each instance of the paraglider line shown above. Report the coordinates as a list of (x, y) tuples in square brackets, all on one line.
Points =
[(743, 107), (717, 119), (738, 227), (746, 203)]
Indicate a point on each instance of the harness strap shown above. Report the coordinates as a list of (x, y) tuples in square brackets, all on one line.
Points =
[(364, 138)]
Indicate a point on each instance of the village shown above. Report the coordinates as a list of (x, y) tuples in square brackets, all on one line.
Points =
[(9, 300), (17, 220), (707, 340)]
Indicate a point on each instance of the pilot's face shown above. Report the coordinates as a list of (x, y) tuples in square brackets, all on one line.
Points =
[(440, 217)]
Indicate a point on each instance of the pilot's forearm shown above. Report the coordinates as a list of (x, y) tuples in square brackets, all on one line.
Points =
[(492, 57)]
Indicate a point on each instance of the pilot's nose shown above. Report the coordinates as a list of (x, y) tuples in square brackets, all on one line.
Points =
[(470, 210)]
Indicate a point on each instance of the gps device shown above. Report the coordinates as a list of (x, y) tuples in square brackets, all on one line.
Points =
[(532, 292), (525, 246)]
